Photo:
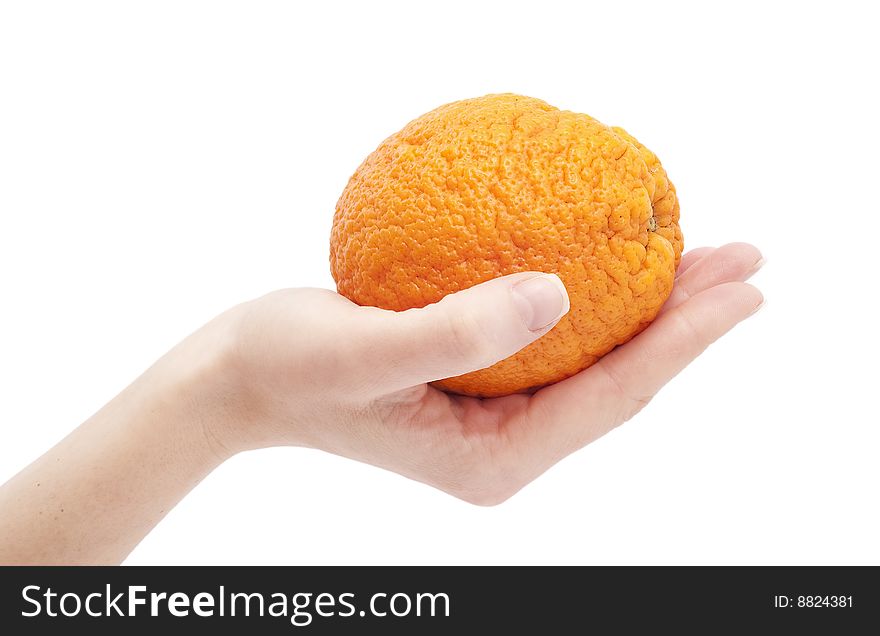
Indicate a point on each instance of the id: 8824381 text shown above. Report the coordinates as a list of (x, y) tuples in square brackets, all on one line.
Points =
[(813, 601)]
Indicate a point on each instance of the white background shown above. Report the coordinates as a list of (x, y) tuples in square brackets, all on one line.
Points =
[(161, 161)]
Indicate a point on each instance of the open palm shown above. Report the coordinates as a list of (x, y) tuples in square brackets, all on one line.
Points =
[(358, 385)]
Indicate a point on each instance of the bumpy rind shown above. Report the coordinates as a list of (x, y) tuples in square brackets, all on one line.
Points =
[(503, 183)]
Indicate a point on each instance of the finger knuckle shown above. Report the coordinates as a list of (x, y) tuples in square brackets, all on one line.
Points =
[(467, 338), (687, 328), (628, 403)]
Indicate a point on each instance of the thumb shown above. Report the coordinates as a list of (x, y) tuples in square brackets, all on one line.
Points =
[(469, 330)]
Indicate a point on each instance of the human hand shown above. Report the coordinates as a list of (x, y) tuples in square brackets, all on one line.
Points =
[(307, 367)]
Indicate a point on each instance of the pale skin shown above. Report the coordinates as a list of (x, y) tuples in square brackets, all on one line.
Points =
[(308, 368)]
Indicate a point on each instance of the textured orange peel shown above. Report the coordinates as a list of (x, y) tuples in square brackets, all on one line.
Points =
[(500, 184)]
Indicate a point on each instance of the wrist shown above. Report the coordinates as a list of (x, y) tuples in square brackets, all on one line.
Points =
[(199, 383)]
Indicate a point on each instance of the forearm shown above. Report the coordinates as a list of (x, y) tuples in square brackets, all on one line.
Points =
[(95, 495)]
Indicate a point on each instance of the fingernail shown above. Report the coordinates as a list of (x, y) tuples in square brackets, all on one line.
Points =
[(758, 308), (758, 265), (540, 300)]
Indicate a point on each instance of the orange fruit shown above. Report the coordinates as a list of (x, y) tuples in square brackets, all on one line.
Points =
[(500, 184)]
